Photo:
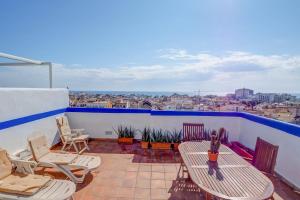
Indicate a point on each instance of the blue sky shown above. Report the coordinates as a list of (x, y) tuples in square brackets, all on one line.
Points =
[(213, 45)]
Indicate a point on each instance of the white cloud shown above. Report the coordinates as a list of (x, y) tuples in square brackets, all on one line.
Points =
[(184, 71)]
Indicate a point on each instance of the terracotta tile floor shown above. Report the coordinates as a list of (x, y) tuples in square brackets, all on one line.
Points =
[(128, 172)]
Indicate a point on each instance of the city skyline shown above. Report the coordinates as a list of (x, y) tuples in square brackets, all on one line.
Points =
[(211, 46)]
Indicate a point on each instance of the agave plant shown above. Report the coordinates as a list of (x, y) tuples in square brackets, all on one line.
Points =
[(160, 136), (156, 135), (176, 136), (146, 132), (125, 132), (120, 131), (129, 132), (167, 137)]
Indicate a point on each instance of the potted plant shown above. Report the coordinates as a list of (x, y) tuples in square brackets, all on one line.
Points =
[(145, 138), (225, 138), (160, 140), (207, 134), (176, 138), (125, 134), (215, 144)]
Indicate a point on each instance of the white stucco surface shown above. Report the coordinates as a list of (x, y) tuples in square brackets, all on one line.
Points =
[(17, 103), (98, 124)]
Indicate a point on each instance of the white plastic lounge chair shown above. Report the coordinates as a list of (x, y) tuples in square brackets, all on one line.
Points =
[(15, 185), (64, 162), (71, 137)]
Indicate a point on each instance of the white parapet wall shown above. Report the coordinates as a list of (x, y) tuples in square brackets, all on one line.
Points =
[(25, 112), (288, 160), (101, 124)]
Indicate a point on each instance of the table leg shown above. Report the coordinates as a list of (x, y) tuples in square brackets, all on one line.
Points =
[(208, 196)]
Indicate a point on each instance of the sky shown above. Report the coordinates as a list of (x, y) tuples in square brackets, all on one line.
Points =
[(138, 45)]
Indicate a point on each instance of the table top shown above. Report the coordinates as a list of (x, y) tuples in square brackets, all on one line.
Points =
[(231, 177)]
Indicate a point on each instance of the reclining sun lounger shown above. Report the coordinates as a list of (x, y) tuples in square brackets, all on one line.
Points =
[(64, 162), (15, 185), (71, 137)]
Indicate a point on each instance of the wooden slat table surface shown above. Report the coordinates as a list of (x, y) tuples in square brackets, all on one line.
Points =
[(230, 178)]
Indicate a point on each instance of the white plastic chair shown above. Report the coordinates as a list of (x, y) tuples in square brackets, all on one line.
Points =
[(71, 137)]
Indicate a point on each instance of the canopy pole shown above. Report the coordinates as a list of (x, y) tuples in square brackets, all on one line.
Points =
[(50, 75), (26, 62)]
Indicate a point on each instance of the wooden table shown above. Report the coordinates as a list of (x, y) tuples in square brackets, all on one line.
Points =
[(231, 177)]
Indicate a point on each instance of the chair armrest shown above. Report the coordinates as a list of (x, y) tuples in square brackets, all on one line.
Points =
[(23, 166), (78, 131)]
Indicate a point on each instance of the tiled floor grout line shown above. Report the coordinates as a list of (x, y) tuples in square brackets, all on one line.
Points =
[(150, 181), (139, 164)]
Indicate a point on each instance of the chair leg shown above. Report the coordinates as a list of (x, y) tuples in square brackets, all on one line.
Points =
[(86, 145), (64, 146), (64, 169), (75, 147), (208, 196)]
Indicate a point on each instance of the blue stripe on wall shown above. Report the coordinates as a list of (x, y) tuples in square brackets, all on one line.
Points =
[(283, 126), (107, 110), (30, 118)]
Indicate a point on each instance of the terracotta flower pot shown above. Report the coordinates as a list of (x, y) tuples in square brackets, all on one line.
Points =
[(175, 146), (144, 145), (160, 145), (213, 157), (125, 140)]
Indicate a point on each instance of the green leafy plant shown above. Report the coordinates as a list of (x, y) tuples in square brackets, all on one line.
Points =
[(168, 137), (125, 132), (216, 138), (225, 138), (146, 133), (130, 132), (120, 131), (160, 136), (176, 136), (156, 135), (207, 133)]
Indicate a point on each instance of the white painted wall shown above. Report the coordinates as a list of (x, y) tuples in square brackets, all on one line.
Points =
[(98, 124), (288, 160), (20, 102), (231, 124)]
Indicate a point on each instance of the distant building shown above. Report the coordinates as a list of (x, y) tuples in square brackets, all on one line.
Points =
[(274, 97), (98, 104), (243, 93), (145, 104)]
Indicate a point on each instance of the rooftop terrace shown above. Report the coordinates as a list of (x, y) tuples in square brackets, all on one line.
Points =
[(128, 172)]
